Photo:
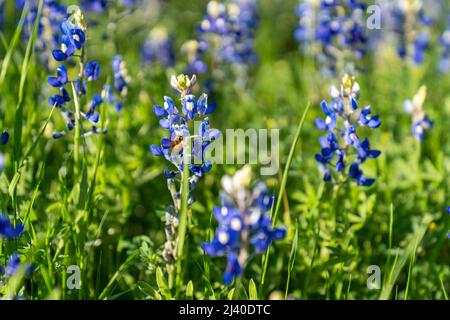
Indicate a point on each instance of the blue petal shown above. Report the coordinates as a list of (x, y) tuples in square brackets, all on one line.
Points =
[(59, 55), (4, 138), (160, 111), (155, 150)]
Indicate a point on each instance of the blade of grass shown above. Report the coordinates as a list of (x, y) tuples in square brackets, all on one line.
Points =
[(411, 264), (283, 183), (23, 77), (291, 263), (13, 44), (443, 287), (407, 254), (106, 291), (391, 225)]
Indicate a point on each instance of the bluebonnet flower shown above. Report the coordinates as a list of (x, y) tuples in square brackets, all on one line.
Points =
[(410, 24), (244, 228), (195, 51), (444, 62), (121, 81), (342, 144), (333, 32), (226, 37), (159, 47), (73, 40), (235, 26), (178, 125), (48, 28), (8, 230), (421, 123), (121, 77)]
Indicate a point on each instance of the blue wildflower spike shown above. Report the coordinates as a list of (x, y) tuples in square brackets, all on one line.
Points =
[(342, 145), (243, 214), (73, 38), (328, 27), (171, 147), (159, 47)]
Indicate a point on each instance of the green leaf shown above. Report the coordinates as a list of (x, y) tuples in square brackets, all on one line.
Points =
[(252, 290), (162, 284), (190, 290), (230, 294)]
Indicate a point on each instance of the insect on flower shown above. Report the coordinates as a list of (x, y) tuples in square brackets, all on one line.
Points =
[(172, 147)]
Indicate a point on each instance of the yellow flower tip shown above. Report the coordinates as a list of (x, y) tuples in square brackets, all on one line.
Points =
[(347, 82), (182, 82)]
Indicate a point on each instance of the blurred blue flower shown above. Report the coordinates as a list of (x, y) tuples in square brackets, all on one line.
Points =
[(410, 24), (4, 138), (444, 62), (420, 127), (94, 5), (244, 225), (159, 47), (226, 37), (421, 123), (333, 32), (14, 265), (121, 77), (8, 230)]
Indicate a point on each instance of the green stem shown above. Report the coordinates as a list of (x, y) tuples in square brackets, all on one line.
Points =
[(183, 208), (76, 151)]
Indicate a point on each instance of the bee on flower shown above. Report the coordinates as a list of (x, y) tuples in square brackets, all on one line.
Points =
[(178, 124)]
